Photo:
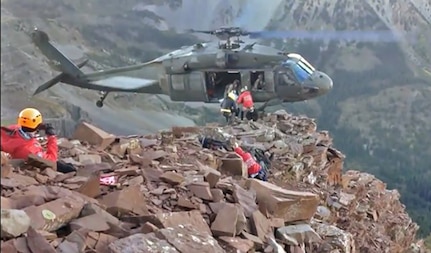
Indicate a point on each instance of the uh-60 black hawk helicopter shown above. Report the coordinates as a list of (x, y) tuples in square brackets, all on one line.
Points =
[(199, 72)]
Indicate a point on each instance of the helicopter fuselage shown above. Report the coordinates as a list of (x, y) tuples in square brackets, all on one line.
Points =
[(187, 73)]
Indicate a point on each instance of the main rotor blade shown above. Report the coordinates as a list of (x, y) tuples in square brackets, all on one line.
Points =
[(363, 36), (200, 31)]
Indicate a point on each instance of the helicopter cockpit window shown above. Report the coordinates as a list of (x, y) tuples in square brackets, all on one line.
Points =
[(307, 64), (296, 70), (285, 73), (302, 71)]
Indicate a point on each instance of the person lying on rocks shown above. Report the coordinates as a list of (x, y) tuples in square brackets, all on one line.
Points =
[(254, 169), (19, 140), (213, 144)]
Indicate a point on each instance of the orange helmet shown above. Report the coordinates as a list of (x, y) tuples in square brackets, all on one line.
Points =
[(29, 118)]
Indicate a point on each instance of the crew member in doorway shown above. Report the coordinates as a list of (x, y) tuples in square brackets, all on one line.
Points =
[(19, 140), (254, 169), (246, 101), (212, 79), (233, 87), (211, 85), (259, 84), (228, 107)]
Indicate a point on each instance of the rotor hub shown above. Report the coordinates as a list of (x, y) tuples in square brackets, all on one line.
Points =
[(225, 33)]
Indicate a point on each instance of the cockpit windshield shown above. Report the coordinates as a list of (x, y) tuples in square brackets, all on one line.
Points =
[(307, 67), (299, 58), (300, 68), (300, 72)]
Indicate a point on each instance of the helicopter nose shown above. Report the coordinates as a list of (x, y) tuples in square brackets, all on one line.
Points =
[(323, 82)]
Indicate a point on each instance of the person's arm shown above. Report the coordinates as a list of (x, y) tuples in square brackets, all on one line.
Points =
[(239, 151), (51, 152), (234, 106), (51, 149), (256, 84), (240, 98), (34, 147), (228, 89)]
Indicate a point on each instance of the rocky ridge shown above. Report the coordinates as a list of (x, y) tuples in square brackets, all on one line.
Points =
[(163, 192), (364, 82)]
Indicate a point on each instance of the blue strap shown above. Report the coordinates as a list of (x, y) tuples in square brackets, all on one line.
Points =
[(24, 135)]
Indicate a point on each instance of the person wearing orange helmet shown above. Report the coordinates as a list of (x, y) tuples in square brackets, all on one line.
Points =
[(20, 141)]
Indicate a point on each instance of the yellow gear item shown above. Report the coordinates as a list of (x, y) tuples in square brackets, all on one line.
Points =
[(30, 118), (232, 95)]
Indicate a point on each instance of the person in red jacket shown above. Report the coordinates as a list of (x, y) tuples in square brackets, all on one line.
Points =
[(19, 140), (246, 100), (254, 169)]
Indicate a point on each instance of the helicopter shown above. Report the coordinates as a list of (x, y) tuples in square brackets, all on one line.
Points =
[(198, 73)]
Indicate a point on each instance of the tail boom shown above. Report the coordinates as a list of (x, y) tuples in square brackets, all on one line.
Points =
[(104, 80), (57, 79)]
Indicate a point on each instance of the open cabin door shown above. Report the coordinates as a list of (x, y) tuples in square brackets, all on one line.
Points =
[(188, 87)]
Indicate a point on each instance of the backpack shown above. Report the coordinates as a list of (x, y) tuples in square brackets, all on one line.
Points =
[(252, 115), (260, 156), (211, 143)]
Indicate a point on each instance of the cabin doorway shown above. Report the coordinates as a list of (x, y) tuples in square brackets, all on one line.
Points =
[(216, 83)]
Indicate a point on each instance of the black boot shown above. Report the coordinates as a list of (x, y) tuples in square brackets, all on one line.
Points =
[(65, 167), (255, 116), (248, 115)]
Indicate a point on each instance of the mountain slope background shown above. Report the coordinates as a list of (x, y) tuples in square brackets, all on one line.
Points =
[(378, 111)]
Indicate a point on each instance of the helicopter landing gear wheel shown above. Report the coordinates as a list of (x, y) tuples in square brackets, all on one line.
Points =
[(99, 103), (103, 95)]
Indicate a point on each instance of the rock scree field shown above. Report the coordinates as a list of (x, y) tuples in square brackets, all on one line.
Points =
[(165, 193)]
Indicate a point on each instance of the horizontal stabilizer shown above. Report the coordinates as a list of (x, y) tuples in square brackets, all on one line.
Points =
[(49, 84), (127, 84), (55, 80)]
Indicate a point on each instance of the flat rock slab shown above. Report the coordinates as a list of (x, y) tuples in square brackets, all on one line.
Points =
[(141, 243)]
